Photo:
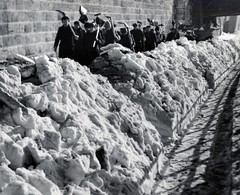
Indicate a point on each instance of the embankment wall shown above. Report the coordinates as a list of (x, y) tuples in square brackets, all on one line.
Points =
[(29, 27)]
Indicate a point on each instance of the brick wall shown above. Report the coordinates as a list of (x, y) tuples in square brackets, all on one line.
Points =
[(28, 27)]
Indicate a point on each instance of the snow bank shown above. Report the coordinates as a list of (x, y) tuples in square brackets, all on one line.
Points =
[(72, 131), (168, 81), (65, 130)]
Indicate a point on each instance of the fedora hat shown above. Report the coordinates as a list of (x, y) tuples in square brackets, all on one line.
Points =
[(99, 21), (65, 18)]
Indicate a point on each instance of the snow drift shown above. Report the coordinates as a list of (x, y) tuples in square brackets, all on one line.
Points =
[(65, 130)]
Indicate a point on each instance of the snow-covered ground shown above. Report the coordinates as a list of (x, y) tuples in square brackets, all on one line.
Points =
[(206, 159), (65, 130)]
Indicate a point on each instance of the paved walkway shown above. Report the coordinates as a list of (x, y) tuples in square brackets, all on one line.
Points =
[(207, 159)]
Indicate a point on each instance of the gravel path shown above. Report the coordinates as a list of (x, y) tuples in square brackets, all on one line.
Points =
[(207, 159)]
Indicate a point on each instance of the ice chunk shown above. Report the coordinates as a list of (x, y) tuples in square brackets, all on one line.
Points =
[(26, 121), (20, 188), (7, 176), (13, 152), (51, 140), (47, 70), (3, 158), (69, 133), (38, 179), (121, 155), (38, 155), (58, 112), (75, 172), (37, 101)]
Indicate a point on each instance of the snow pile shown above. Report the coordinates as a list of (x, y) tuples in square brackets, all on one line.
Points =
[(65, 130), (71, 133), (169, 80)]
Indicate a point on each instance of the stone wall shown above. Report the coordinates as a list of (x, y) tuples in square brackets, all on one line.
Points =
[(28, 27)]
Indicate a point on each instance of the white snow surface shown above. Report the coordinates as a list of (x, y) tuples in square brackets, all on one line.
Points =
[(75, 133)]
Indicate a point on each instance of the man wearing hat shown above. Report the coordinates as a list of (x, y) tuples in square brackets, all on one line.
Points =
[(151, 39), (78, 44), (90, 49), (138, 37), (139, 23), (64, 39), (160, 34), (173, 34), (190, 35), (126, 38)]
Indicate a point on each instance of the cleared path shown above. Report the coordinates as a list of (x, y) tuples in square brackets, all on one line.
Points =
[(207, 159)]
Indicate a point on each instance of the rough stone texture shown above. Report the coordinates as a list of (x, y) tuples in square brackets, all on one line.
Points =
[(28, 27)]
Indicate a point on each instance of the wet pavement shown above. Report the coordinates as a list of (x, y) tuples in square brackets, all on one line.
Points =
[(207, 159)]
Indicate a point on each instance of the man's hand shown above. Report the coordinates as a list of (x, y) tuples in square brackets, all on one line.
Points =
[(76, 37)]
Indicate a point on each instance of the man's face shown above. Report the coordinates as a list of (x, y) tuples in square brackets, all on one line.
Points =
[(89, 29), (65, 22), (135, 27), (76, 26)]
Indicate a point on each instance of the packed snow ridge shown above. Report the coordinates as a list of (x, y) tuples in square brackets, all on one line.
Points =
[(67, 130)]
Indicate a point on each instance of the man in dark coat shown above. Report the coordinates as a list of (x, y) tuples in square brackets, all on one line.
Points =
[(160, 34), (92, 41), (173, 35), (126, 38), (66, 39), (151, 39), (190, 35), (78, 44), (138, 37), (109, 33)]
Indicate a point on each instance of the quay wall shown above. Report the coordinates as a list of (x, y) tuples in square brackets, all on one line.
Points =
[(29, 27)]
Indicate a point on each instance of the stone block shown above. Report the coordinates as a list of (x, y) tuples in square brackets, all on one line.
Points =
[(116, 2), (31, 15), (1, 44), (7, 41), (3, 5), (3, 29), (147, 5), (31, 5), (48, 37), (4, 53), (126, 17), (84, 2), (48, 26), (30, 50), (50, 16), (28, 27), (21, 50), (37, 26), (47, 5), (19, 4), (15, 27), (6, 16), (10, 4), (105, 2), (41, 16), (1, 14), (70, 7), (12, 50), (18, 16), (137, 11), (127, 4)]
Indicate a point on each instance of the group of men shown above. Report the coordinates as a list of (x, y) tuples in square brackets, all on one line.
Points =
[(83, 44)]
